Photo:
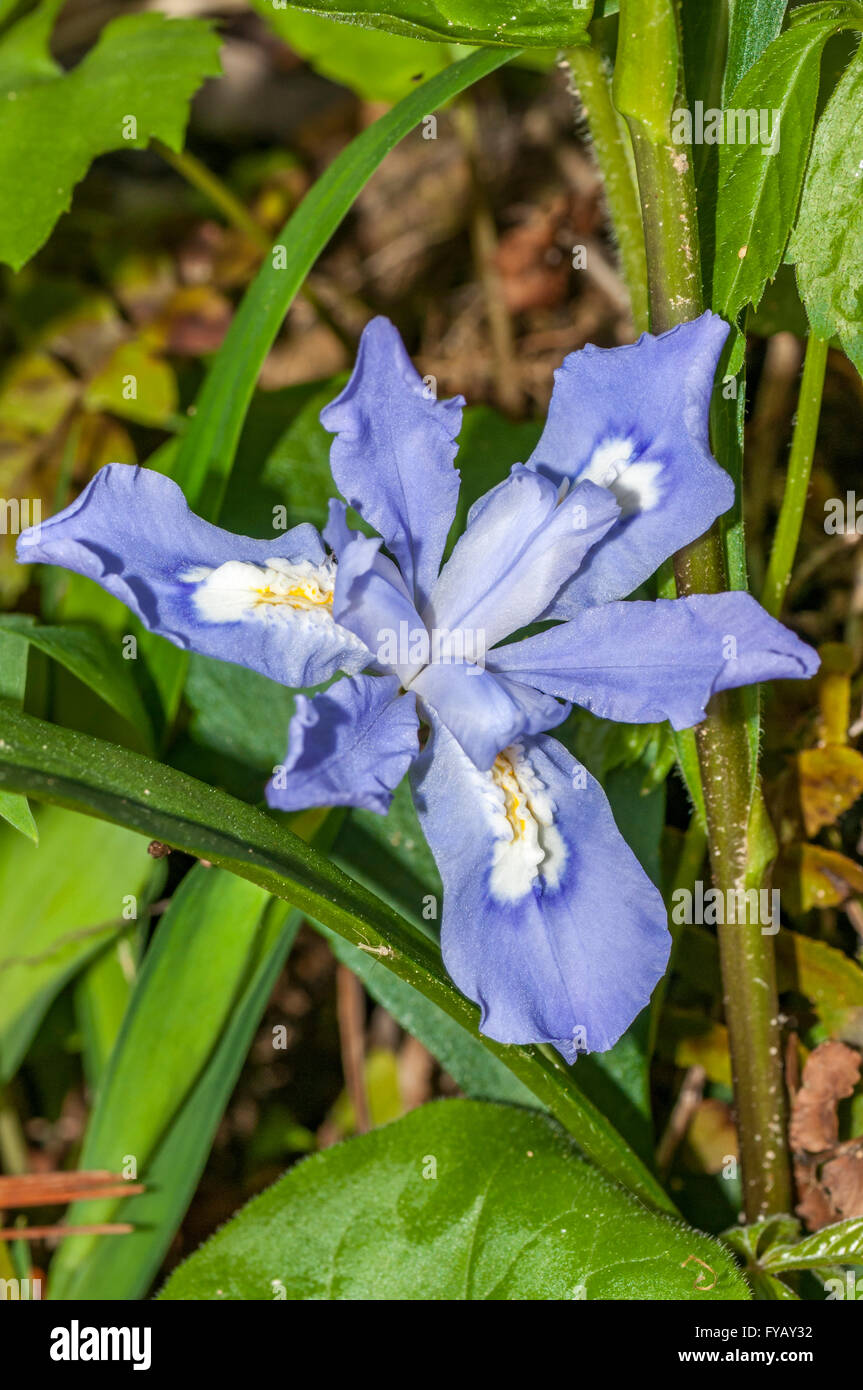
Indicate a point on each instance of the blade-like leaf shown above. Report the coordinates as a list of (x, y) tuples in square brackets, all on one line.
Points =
[(91, 656), (207, 449), (62, 902), (459, 1200), (13, 684), (76, 770), (192, 975)]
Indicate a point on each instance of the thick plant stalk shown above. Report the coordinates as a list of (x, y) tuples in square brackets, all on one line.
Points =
[(797, 480), (648, 88)]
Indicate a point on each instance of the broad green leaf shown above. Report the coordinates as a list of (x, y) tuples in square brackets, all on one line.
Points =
[(839, 1244), (62, 902), (827, 245), (461, 1201), (95, 660), (376, 65), (123, 1266), (206, 452), (752, 25), (192, 976), (75, 770), (143, 69), (13, 684), (759, 184), (533, 23)]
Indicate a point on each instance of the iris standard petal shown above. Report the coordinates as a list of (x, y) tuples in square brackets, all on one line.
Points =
[(481, 711), (393, 457), (549, 922), (351, 745), (523, 541), (266, 604), (372, 602), (634, 419), (641, 663)]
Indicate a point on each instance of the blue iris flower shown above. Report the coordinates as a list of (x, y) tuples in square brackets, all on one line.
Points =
[(549, 923)]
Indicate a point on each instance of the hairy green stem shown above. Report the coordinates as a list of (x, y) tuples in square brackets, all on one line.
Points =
[(613, 151), (797, 480), (649, 87)]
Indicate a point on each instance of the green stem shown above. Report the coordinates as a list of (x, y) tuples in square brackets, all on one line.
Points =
[(613, 151), (199, 176), (649, 87), (797, 481)]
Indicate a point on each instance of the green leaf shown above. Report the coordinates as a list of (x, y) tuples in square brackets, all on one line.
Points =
[(459, 1200), (759, 186), (192, 975), (53, 124), (61, 902), (530, 24), (752, 25), (123, 1266), (95, 660), (206, 453), (102, 994), (827, 245), (75, 770), (375, 65), (13, 684), (839, 1244)]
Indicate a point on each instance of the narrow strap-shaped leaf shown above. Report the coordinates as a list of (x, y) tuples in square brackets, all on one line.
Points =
[(206, 452), (87, 774)]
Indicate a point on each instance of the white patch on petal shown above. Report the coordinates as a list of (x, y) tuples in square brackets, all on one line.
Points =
[(528, 844), (635, 485), (278, 589)]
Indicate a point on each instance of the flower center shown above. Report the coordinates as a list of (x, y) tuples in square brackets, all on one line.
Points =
[(239, 590), (528, 844)]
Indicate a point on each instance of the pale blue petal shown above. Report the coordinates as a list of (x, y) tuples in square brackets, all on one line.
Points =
[(393, 457), (522, 542), (348, 746), (483, 713), (635, 418), (568, 956), (641, 662), (201, 587)]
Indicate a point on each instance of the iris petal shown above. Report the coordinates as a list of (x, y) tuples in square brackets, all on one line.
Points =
[(549, 922), (393, 458), (641, 663), (634, 419), (348, 746), (265, 604), (523, 541)]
